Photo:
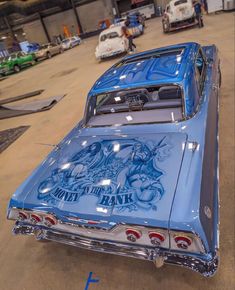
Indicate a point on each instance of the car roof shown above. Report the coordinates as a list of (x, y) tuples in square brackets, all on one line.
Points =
[(165, 65), (172, 2), (112, 28)]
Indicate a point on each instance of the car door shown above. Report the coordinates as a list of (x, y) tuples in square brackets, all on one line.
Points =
[(53, 48), (74, 41), (207, 79), (57, 48), (23, 58), (12, 60), (19, 59), (50, 49)]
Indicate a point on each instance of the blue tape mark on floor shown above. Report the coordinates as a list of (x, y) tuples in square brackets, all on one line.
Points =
[(90, 280)]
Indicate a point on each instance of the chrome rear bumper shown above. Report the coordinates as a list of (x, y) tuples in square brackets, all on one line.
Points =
[(113, 53), (158, 255), (182, 24)]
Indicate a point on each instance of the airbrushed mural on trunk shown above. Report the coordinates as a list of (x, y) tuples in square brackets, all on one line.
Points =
[(123, 173)]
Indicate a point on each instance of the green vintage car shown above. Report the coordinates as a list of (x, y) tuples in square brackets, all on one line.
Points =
[(16, 61)]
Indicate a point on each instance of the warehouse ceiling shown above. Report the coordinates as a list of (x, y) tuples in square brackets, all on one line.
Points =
[(28, 7)]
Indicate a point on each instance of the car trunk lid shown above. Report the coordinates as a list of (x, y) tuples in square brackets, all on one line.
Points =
[(118, 179), (183, 11), (110, 45)]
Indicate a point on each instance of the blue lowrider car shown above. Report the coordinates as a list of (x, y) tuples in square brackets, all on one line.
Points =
[(136, 24), (138, 176)]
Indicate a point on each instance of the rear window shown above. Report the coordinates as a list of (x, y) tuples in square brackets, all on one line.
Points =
[(143, 105), (180, 2), (109, 36)]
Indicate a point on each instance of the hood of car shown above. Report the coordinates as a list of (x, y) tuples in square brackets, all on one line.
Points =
[(40, 51), (117, 178), (66, 44)]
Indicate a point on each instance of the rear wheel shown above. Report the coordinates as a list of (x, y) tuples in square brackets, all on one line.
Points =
[(16, 68), (48, 55)]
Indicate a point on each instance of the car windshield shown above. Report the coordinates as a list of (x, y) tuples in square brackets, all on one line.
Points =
[(110, 35), (143, 105), (66, 41), (180, 2), (118, 20), (44, 46), (4, 59)]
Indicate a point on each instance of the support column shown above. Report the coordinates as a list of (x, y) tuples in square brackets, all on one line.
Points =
[(44, 27), (15, 43), (77, 17), (115, 6), (9, 28)]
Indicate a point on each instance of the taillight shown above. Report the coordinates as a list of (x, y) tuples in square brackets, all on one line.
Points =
[(22, 216), (156, 238), (35, 218), (50, 220), (133, 235), (183, 242)]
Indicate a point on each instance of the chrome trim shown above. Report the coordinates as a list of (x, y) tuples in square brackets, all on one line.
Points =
[(169, 233), (205, 266)]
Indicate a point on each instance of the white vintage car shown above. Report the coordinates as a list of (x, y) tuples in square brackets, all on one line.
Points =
[(178, 14), (112, 41), (70, 42)]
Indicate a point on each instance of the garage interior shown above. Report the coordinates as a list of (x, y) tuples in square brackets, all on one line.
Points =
[(26, 264)]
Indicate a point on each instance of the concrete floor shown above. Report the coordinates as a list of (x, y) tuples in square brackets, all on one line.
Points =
[(26, 264)]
